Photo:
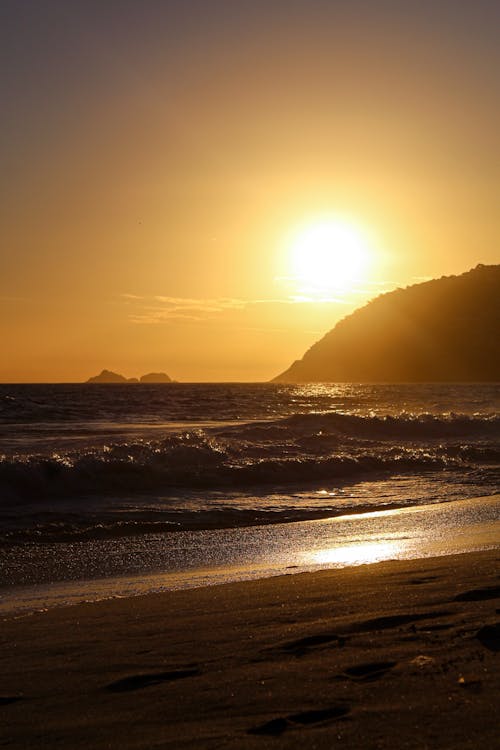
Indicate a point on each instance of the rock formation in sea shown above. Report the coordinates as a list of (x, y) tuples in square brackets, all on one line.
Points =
[(442, 330), (155, 377), (107, 376)]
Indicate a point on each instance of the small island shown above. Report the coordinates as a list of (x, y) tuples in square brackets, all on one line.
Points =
[(110, 377), (155, 377)]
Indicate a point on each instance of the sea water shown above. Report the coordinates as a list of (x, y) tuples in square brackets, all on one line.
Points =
[(106, 480)]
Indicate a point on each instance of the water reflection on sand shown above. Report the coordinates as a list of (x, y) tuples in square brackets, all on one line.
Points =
[(357, 554), (161, 562), (439, 529)]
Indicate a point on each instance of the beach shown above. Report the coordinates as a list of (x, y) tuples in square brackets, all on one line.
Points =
[(396, 654), (249, 566), (250, 375)]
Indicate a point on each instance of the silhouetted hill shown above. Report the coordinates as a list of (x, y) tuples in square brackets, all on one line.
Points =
[(155, 377), (107, 376), (441, 330)]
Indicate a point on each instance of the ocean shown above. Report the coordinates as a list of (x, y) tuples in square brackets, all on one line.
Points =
[(111, 480)]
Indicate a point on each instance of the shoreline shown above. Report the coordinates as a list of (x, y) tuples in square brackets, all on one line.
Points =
[(393, 654), (220, 520), (252, 553)]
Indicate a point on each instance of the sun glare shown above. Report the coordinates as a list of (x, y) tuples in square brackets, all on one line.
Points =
[(358, 554), (329, 255)]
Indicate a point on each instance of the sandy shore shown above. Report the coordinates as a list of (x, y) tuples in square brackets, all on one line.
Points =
[(43, 576), (400, 654)]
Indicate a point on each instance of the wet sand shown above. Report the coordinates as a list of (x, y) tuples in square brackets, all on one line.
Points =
[(396, 654), (60, 574)]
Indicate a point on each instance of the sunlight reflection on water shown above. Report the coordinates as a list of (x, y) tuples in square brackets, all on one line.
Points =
[(182, 560), (358, 554)]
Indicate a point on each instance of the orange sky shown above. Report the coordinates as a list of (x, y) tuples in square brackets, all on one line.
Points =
[(158, 155)]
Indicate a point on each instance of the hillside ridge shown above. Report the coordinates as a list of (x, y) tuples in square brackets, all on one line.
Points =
[(445, 329)]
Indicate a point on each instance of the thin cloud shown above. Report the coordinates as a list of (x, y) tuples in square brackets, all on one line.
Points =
[(163, 309), (217, 304)]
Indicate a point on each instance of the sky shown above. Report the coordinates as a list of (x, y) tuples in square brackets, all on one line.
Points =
[(163, 163)]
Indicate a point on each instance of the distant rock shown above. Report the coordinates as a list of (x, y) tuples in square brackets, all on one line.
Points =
[(155, 377), (107, 376), (443, 330)]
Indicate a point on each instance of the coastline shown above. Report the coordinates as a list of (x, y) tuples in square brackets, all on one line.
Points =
[(204, 558), (388, 655)]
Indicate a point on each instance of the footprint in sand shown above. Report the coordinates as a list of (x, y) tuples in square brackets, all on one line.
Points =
[(393, 621), (479, 595), (6, 700), (303, 646), (311, 643), (305, 718), (489, 636), (139, 681), (369, 671), (424, 579)]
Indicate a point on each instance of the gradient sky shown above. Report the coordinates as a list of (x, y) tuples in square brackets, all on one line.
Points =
[(156, 156)]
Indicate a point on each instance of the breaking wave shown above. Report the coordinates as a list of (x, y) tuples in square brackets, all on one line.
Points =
[(293, 449)]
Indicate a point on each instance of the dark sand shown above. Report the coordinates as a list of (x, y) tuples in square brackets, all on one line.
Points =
[(391, 655)]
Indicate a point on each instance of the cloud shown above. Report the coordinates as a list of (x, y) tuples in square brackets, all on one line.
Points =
[(160, 308), (217, 304), (163, 309)]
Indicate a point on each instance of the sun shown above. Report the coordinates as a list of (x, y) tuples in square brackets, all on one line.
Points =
[(329, 255)]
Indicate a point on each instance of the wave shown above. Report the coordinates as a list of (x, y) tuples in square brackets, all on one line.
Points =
[(405, 426), (298, 449)]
